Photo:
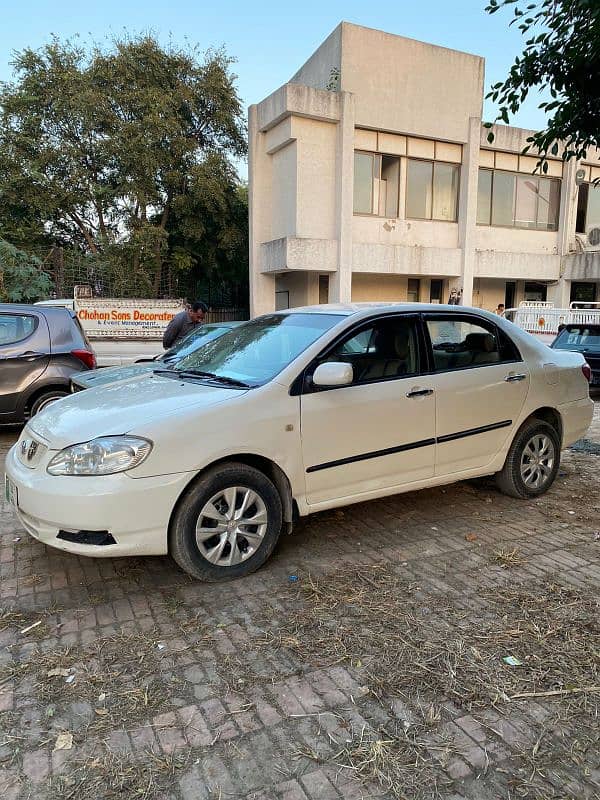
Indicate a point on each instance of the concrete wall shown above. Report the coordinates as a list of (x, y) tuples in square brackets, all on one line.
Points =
[(367, 288), (406, 86), (409, 233), (317, 71), (303, 288), (516, 240), (512, 266), (284, 192), (316, 147), (416, 261)]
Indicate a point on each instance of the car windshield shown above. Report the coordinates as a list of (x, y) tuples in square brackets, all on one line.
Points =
[(581, 337), (256, 351), (195, 339)]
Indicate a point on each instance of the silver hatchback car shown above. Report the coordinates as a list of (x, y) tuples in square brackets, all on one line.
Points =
[(40, 348)]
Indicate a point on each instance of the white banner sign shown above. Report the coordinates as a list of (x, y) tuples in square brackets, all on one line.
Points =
[(126, 319)]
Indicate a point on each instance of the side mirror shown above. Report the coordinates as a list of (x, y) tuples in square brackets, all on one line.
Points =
[(333, 373)]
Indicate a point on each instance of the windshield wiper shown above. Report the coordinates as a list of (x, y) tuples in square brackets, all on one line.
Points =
[(214, 377), (197, 373)]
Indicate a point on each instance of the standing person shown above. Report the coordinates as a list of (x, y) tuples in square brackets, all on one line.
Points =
[(183, 323), (500, 310)]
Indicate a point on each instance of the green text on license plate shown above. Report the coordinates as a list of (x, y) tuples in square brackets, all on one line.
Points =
[(10, 491)]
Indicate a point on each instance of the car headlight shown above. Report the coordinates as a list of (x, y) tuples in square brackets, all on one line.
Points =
[(103, 456)]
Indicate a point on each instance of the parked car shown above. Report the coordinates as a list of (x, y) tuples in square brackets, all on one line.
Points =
[(584, 339), (89, 379), (40, 348), (292, 413)]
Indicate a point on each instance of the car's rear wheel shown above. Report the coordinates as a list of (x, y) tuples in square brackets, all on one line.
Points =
[(532, 462), (227, 524), (45, 399)]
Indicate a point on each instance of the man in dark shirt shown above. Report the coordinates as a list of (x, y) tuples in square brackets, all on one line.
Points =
[(183, 323)]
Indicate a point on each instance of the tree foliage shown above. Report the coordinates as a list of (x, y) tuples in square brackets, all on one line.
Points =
[(562, 57), (21, 277), (102, 151)]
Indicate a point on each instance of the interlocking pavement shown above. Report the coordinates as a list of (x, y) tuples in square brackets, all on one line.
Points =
[(125, 677)]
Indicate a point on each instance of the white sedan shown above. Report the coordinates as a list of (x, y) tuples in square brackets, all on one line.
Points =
[(291, 413)]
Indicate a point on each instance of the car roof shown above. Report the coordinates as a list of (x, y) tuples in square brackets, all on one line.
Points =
[(8, 308), (569, 325), (370, 309)]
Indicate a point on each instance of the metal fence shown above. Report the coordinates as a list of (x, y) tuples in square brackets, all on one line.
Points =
[(545, 318), (226, 314), (68, 268)]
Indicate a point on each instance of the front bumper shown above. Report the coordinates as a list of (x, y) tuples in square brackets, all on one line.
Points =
[(135, 511)]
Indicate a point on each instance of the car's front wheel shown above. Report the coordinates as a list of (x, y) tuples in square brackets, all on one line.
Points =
[(532, 462), (44, 400), (227, 523)]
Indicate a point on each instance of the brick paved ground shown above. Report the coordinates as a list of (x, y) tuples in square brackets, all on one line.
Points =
[(255, 689)]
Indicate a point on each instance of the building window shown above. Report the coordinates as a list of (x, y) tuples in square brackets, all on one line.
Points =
[(535, 292), (282, 300), (432, 190), (583, 292), (413, 290), (376, 184), (516, 200), (435, 291), (323, 289), (588, 207)]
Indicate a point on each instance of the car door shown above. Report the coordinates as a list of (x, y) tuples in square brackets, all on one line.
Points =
[(24, 355), (480, 383), (378, 432)]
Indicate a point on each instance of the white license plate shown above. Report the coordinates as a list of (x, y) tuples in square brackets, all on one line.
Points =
[(11, 494)]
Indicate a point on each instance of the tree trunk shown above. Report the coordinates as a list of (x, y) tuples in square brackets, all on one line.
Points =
[(86, 234), (159, 262)]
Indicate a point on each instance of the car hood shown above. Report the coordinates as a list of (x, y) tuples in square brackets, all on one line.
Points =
[(89, 379), (121, 407)]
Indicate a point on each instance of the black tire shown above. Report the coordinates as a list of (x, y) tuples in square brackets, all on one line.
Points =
[(510, 479), (183, 544), (45, 399)]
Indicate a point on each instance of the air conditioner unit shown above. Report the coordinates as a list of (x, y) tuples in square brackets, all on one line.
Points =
[(589, 242)]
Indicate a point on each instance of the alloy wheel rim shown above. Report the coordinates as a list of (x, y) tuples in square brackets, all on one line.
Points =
[(231, 526), (47, 403), (537, 461)]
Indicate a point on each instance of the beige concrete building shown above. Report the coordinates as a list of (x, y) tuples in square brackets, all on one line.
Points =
[(371, 178)]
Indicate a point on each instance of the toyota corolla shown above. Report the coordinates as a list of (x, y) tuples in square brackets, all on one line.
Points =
[(292, 413)]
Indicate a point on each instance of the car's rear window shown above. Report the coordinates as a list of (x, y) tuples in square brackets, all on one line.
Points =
[(81, 331), (582, 337)]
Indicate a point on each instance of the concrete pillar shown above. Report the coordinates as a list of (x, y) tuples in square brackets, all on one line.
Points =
[(262, 287), (340, 282), (467, 209), (560, 294)]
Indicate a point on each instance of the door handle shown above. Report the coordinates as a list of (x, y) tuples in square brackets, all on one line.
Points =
[(419, 392), (512, 378)]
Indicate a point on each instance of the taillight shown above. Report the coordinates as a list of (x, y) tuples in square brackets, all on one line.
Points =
[(86, 357), (587, 371)]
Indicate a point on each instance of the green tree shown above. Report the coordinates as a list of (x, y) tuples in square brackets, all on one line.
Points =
[(22, 279), (208, 235), (103, 148), (561, 58)]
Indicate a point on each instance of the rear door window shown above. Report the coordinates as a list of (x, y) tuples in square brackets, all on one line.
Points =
[(16, 328), (460, 342)]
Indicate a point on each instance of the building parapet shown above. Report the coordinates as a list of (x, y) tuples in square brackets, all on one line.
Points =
[(296, 253), (303, 101)]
